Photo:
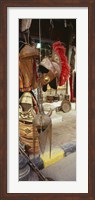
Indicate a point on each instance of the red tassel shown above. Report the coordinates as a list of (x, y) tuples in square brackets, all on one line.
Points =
[(60, 50)]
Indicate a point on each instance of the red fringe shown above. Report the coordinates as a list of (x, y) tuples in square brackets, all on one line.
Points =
[(60, 50)]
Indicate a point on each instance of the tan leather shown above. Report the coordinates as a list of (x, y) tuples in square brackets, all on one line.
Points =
[(26, 130), (28, 52), (29, 137), (27, 68), (27, 76), (29, 142)]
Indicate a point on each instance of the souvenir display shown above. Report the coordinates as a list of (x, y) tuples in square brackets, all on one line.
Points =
[(40, 73), (55, 70)]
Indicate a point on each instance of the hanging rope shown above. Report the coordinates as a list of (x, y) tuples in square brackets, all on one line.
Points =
[(39, 89), (40, 37), (51, 27)]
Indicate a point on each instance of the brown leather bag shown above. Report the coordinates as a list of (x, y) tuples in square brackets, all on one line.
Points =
[(27, 68), (29, 52)]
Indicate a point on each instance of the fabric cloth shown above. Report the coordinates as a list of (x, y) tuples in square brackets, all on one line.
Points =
[(72, 80), (25, 24)]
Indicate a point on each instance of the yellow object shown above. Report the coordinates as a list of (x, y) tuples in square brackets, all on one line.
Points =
[(56, 155)]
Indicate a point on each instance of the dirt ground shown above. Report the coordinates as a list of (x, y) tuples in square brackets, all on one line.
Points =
[(64, 131), (63, 127)]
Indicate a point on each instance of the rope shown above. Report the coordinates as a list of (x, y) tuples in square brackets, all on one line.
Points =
[(40, 37)]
